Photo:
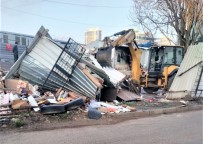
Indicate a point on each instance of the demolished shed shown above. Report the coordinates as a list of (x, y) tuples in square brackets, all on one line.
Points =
[(189, 78), (50, 66)]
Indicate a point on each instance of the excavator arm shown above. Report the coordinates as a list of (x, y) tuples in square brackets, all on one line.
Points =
[(126, 37)]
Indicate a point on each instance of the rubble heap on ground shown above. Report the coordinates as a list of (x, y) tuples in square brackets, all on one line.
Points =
[(51, 79)]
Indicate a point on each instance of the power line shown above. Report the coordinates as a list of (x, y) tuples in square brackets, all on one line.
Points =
[(5, 1), (57, 19), (85, 5), (27, 4)]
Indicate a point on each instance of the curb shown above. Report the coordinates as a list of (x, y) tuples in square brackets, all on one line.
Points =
[(157, 112), (117, 118)]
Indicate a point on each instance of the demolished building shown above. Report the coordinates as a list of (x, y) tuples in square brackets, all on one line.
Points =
[(51, 66), (52, 78)]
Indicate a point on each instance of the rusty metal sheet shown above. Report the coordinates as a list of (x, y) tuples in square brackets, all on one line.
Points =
[(127, 95)]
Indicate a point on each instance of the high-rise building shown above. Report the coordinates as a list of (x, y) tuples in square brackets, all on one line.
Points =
[(92, 34)]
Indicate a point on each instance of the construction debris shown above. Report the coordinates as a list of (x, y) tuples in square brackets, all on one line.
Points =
[(127, 95), (51, 79), (94, 113)]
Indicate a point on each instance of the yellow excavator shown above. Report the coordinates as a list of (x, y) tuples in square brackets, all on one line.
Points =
[(163, 63)]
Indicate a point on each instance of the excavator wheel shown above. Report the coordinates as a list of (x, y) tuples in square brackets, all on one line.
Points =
[(150, 90)]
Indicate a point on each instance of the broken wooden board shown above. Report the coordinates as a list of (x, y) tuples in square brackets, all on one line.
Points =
[(19, 104), (74, 95), (127, 95), (92, 78), (16, 85)]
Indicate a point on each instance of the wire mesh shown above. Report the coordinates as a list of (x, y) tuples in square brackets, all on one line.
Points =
[(65, 64)]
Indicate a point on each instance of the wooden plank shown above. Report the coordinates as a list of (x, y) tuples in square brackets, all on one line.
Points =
[(128, 95), (92, 78)]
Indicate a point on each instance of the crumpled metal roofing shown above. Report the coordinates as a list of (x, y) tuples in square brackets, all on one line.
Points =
[(38, 64), (115, 76)]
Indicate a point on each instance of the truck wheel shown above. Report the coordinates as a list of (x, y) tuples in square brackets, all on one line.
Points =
[(150, 90), (170, 81)]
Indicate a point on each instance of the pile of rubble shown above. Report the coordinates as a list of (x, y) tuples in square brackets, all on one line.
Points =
[(52, 79), (20, 94)]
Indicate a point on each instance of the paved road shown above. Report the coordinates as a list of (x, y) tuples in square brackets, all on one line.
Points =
[(181, 128)]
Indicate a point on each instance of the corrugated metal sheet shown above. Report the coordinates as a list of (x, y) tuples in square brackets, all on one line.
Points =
[(41, 32), (39, 63), (188, 73), (198, 86), (6, 57), (50, 66), (115, 76), (99, 71)]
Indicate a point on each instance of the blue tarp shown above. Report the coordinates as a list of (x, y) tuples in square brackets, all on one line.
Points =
[(148, 44)]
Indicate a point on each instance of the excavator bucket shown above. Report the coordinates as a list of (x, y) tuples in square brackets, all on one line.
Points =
[(103, 56)]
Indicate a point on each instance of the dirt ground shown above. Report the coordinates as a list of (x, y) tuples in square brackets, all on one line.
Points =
[(27, 120)]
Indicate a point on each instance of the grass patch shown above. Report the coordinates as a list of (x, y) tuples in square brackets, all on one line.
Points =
[(63, 116), (132, 103), (20, 122)]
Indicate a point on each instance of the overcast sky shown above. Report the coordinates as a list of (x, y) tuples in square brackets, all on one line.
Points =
[(66, 18)]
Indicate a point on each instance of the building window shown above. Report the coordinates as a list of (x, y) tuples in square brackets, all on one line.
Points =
[(5, 38), (23, 40), (17, 39)]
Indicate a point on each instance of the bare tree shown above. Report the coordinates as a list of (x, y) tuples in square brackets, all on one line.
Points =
[(180, 19)]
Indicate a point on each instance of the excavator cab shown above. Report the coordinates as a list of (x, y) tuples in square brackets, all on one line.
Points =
[(164, 56), (163, 66)]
